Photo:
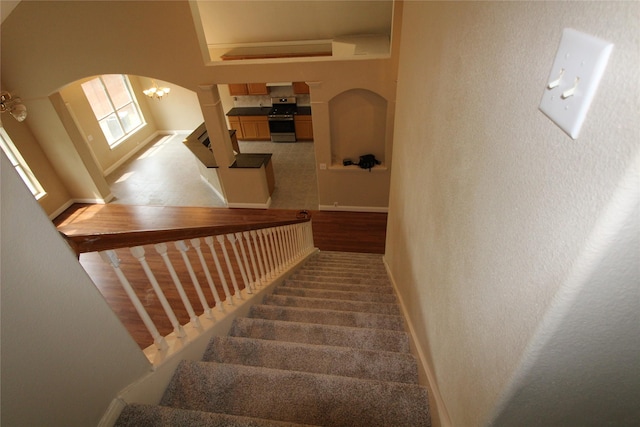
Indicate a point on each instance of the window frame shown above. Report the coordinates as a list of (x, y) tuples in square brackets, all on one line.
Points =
[(20, 165), (114, 111)]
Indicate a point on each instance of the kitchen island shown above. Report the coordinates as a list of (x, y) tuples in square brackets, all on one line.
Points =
[(256, 161)]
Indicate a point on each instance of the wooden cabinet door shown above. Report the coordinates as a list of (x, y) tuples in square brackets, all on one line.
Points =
[(255, 128), (304, 127), (263, 129), (234, 123), (257, 89), (300, 87), (238, 89)]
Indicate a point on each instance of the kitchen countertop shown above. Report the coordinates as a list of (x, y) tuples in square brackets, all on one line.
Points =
[(251, 160), (263, 111)]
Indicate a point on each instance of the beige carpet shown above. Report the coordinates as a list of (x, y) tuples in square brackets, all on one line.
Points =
[(326, 348)]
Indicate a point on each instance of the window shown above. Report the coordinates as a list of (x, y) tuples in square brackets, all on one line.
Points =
[(114, 106), (21, 166)]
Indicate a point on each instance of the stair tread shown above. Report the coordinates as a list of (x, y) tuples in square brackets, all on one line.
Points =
[(313, 333), (296, 396), (336, 294), (360, 306), (136, 415), (322, 359), (328, 317), (338, 285)]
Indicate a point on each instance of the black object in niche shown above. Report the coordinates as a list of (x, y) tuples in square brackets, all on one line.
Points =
[(367, 161)]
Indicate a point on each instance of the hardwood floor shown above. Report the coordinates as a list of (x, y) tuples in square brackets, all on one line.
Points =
[(332, 231)]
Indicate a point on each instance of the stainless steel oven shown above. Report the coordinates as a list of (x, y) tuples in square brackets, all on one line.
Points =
[(281, 124)]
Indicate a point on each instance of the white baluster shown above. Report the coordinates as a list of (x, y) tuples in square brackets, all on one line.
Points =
[(256, 247), (232, 239), (266, 254), (223, 280), (183, 248), (278, 247), (161, 248), (247, 268), (247, 239), (287, 239), (234, 282), (138, 253), (309, 235), (196, 245), (111, 258), (296, 241)]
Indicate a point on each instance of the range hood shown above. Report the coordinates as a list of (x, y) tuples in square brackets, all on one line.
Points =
[(280, 84)]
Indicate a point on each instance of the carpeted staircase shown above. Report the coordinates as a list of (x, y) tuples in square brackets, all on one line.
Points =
[(326, 348)]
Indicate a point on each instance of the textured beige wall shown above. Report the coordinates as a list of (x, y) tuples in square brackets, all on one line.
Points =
[(491, 203)]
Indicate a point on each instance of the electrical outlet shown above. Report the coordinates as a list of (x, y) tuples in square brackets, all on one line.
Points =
[(575, 75), (323, 166)]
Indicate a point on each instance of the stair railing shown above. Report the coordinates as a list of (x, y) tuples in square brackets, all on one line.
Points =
[(252, 255)]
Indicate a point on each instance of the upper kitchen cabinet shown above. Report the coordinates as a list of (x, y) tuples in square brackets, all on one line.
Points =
[(257, 89), (239, 89), (300, 88)]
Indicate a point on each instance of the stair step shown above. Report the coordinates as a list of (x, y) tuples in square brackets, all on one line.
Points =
[(295, 396), (136, 415), (366, 364), (350, 279), (339, 295), (308, 333), (328, 317), (330, 304), (353, 264), (347, 256), (337, 286)]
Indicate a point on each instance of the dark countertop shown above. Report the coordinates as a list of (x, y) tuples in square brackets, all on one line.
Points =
[(249, 111), (263, 111), (251, 160)]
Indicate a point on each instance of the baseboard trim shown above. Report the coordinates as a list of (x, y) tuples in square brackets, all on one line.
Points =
[(250, 205), (439, 414), (61, 209), (215, 190), (375, 209)]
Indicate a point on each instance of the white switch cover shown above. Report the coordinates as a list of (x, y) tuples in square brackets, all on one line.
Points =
[(577, 69)]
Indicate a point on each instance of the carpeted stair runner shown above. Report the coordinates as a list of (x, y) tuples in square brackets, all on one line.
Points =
[(328, 348)]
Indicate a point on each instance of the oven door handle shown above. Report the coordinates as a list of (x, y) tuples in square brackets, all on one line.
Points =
[(280, 119)]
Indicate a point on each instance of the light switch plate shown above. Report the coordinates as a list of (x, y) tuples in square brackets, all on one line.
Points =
[(575, 75)]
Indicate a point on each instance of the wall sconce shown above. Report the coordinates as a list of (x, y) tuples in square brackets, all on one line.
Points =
[(14, 106), (156, 92)]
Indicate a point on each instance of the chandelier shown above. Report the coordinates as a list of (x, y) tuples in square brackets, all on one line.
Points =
[(156, 92), (14, 106)]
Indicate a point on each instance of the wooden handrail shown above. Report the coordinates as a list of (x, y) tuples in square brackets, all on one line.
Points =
[(94, 242)]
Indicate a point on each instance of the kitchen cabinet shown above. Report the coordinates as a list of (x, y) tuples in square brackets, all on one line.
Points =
[(304, 127), (257, 89), (234, 123), (300, 88), (255, 128), (239, 89)]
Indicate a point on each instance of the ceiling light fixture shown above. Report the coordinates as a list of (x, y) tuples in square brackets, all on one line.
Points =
[(156, 92), (14, 106)]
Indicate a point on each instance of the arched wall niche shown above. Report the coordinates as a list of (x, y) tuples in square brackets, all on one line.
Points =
[(358, 120)]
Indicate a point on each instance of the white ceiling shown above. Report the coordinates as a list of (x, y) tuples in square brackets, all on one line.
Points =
[(247, 22)]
